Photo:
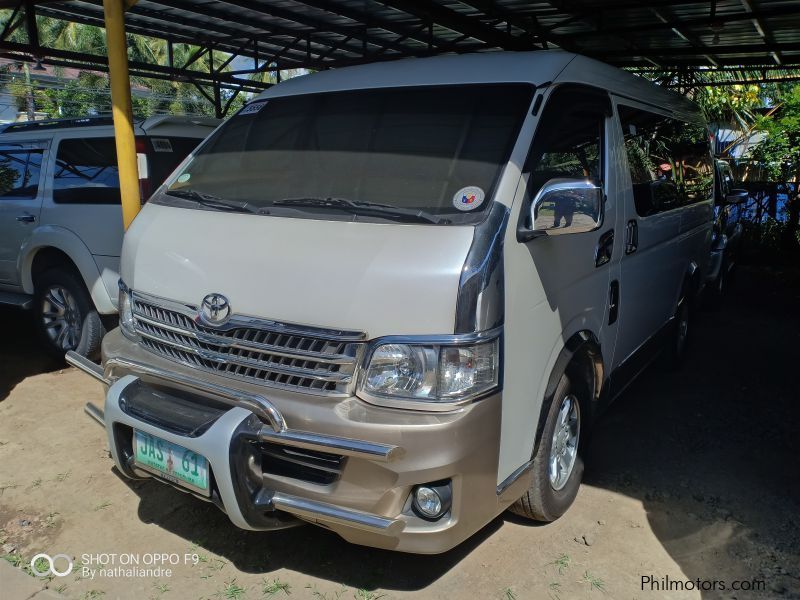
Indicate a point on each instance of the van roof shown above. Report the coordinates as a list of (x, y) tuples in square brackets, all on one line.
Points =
[(538, 68), (147, 124)]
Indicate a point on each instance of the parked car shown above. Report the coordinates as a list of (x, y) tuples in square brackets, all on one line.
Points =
[(391, 299), (61, 222), (727, 233)]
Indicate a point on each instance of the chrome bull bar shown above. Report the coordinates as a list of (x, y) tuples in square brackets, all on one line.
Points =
[(274, 430)]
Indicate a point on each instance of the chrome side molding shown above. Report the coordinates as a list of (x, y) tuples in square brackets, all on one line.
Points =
[(504, 485), (328, 513)]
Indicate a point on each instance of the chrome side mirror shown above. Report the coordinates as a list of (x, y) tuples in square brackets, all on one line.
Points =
[(564, 206)]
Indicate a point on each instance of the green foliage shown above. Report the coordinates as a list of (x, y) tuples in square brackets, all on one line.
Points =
[(89, 94), (780, 151)]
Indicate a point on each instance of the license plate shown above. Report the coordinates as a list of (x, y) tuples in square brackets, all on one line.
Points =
[(171, 461)]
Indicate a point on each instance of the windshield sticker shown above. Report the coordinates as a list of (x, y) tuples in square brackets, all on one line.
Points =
[(468, 198), (253, 108), (183, 178)]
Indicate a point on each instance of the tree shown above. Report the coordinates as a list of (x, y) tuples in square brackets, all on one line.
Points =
[(780, 155)]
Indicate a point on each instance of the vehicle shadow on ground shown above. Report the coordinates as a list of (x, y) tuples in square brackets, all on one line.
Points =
[(21, 355), (711, 451), (305, 549)]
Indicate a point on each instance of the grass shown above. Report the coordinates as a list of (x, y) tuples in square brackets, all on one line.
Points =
[(595, 583), (363, 594), (161, 588), (562, 563), (508, 594), (233, 591), (60, 588), (93, 595), (270, 588), (61, 477), (102, 506), (322, 595), (15, 558), (36, 482), (50, 521), (553, 590)]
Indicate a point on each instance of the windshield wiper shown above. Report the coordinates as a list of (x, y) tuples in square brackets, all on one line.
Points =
[(364, 208), (211, 201)]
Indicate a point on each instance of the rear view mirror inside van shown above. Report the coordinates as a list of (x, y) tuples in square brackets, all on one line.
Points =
[(565, 206)]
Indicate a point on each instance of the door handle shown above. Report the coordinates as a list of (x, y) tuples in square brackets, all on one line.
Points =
[(631, 236), (26, 218), (604, 249)]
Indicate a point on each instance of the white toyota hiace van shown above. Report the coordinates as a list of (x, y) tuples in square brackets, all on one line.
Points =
[(391, 299)]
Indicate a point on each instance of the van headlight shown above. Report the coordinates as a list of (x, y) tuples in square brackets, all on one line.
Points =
[(431, 373), (125, 307)]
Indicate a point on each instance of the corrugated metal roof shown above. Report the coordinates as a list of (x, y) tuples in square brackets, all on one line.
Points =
[(328, 33)]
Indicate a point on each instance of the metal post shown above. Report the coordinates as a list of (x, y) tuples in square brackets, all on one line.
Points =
[(121, 109)]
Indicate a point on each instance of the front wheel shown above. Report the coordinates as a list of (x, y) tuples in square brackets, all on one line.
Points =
[(65, 315), (557, 466)]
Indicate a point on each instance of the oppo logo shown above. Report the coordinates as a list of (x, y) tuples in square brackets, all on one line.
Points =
[(51, 565)]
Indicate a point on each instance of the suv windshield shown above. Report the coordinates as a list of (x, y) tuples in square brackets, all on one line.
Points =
[(416, 154)]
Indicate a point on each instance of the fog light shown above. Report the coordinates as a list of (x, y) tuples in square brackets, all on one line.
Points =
[(432, 500)]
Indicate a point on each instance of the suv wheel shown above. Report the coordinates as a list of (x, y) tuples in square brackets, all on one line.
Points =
[(65, 316), (679, 338), (557, 466)]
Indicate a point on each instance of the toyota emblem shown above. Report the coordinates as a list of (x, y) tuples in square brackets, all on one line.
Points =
[(215, 309)]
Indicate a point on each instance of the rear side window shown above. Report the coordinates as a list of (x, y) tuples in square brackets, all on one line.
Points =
[(165, 154), (19, 172), (86, 172), (86, 169), (669, 161)]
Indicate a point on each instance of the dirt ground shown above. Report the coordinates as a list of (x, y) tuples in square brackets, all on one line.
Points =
[(694, 476)]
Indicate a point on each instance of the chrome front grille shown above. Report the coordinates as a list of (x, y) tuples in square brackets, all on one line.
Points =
[(307, 359)]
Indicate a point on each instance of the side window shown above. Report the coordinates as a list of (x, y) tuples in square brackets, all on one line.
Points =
[(669, 161), (19, 172), (649, 141), (569, 137), (693, 157), (86, 172)]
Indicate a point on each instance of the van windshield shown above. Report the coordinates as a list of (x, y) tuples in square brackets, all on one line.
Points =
[(415, 154)]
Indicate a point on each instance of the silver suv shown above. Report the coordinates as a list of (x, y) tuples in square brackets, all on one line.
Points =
[(60, 218)]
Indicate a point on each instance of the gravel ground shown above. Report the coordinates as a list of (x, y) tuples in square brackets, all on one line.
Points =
[(691, 476)]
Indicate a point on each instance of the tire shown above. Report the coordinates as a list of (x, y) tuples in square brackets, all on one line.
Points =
[(718, 288), (549, 497), (65, 316), (680, 335)]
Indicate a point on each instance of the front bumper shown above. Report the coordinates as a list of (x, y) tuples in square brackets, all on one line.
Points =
[(382, 453)]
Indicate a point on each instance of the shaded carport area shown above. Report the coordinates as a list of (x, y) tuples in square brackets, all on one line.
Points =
[(693, 475)]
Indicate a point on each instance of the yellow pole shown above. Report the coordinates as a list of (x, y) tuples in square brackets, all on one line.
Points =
[(121, 108)]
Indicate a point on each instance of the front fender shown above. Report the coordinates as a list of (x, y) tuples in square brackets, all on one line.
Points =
[(60, 238)]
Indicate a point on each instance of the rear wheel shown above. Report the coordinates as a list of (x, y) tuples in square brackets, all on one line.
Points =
[(557, 466), (65, 316), (675, 352)]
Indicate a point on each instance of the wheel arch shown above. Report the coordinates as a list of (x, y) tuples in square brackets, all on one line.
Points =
[(581, 358), (52, 246)]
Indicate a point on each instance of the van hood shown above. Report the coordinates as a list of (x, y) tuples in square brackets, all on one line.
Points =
[(381, 279)]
